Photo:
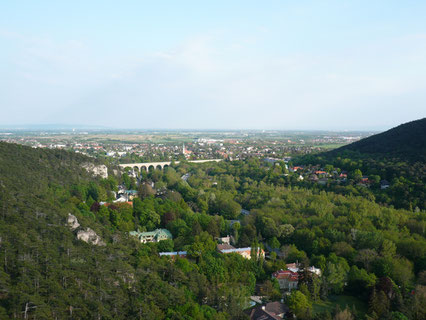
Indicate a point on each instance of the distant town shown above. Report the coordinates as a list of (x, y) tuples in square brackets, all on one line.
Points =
[(124, 147)]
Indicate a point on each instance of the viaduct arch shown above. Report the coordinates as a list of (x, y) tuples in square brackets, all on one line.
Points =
[(159, 165)]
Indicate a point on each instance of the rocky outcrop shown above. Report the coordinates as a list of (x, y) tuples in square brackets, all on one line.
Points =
[(90, 236), (97, 170), (72, 222)]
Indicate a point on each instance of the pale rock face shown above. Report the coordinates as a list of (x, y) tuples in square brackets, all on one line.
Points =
[(90, 236), (100, 170), (72, 222)]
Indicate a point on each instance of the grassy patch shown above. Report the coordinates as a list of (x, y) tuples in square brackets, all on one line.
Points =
[(342, 301), (329, 145)]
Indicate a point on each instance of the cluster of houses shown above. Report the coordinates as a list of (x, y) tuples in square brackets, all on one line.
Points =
[(287, 279), (224, 247), (124, 195), (318, 175)]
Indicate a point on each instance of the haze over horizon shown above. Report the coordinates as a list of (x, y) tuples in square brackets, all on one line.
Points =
[(283, 65), (88, 127)]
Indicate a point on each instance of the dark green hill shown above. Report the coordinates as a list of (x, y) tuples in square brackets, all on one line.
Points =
[(406, 142), (47, 273), (24, 169)]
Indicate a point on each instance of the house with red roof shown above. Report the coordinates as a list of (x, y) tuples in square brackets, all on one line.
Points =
[(287, 279), (365, 179), (320, 172)]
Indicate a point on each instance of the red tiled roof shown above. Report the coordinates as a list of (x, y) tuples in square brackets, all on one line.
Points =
[(286, 274)]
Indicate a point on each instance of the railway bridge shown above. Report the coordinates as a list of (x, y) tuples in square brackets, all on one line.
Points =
[(159, 165)]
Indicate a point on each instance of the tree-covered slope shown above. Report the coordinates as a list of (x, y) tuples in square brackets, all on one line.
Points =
[(26, 169), (46, 273), (406, 142)]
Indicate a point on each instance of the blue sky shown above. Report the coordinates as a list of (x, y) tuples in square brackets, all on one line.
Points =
[(330, 65)]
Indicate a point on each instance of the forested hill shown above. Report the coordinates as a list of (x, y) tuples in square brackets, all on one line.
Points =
[(46, 272), (24, 169), (406, 142)]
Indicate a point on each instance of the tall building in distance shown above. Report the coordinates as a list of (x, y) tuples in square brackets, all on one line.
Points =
[(185, 152)]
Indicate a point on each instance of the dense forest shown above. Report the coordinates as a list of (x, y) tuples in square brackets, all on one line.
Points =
[(370, 253)]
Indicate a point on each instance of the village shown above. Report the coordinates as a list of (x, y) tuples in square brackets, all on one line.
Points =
[(287, 279), (164, 146), (259, 307), (272, 157), (327, 175)]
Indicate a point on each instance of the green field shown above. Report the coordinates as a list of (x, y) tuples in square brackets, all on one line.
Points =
[(329, 145), (342, 301)]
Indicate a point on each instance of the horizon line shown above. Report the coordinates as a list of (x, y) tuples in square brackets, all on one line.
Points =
[(94, 128)]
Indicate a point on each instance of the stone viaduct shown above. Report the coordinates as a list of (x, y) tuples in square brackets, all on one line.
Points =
[(159, 165)]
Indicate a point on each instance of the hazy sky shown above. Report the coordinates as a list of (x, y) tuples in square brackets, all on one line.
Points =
[(213, 64)]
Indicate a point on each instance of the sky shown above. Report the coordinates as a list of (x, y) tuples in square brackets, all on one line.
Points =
[(285, 65)]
